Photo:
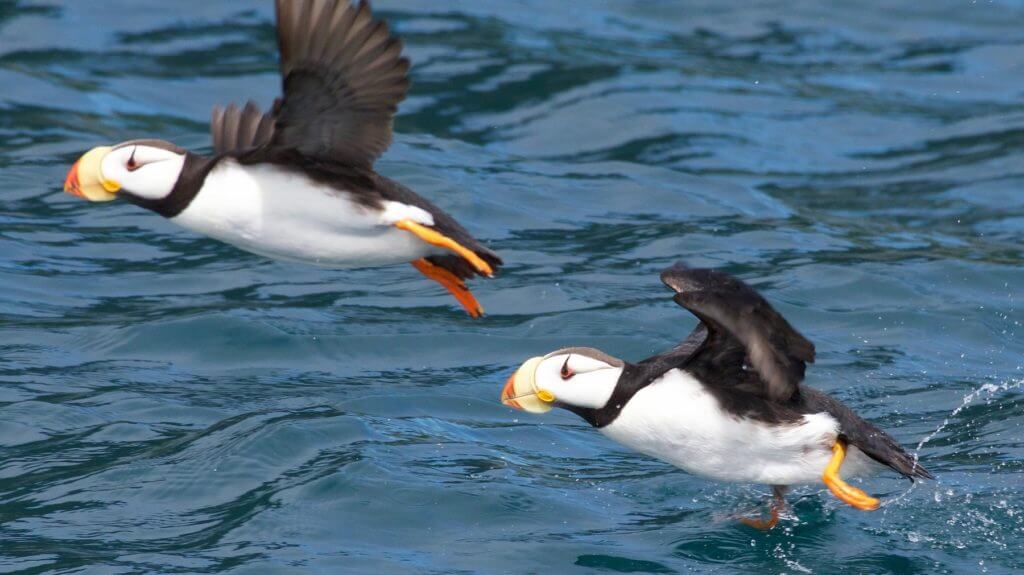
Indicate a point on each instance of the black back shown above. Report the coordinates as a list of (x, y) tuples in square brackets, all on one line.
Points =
[(365, 186)]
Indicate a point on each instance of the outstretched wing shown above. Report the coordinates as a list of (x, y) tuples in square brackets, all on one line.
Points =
[(343, 76), (749, 346)]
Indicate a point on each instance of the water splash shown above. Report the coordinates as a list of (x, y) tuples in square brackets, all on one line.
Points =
[(988, 391)]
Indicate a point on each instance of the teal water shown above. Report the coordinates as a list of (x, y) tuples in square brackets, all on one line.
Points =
[(170, 404)]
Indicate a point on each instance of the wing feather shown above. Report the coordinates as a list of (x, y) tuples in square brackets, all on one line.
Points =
[(236, 130), (342, 75), (743, 330)]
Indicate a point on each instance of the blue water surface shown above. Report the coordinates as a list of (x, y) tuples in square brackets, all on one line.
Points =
[(170, 404)]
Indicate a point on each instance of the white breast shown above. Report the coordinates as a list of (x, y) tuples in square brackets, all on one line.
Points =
[(676, 420), (285, 215)]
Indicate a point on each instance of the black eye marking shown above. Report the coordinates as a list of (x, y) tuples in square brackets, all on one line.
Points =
[(567, 372), (132, 165)]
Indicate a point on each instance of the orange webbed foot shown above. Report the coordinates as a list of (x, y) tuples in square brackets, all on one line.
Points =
[(435, 238), (761, 523), (453, 284), (778, 504), (841, 489)]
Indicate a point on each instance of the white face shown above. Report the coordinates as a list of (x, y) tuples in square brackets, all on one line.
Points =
[(143, 171), (577, 379), (573, 377)]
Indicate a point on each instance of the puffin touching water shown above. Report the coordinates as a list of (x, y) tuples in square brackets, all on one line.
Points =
[(726, 403), (297, 183)]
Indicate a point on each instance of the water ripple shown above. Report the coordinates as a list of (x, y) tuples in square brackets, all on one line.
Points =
[(170, 404)]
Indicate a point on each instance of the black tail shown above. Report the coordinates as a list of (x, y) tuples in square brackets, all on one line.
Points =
[(874, 442)]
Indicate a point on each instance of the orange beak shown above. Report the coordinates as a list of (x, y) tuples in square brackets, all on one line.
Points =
[(71, 182), (85, 178), (508, 394), (521, 392)]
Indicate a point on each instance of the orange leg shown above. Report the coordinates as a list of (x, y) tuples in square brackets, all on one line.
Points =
[(841, 489), (453, 284), (778, 504), (440, 240)]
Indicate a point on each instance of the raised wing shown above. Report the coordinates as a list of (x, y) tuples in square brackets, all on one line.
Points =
[(237, 129), (343, 77), (749, 346)]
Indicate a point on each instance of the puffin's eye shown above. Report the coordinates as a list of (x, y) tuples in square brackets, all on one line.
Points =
[(132, 165), (567, 371)]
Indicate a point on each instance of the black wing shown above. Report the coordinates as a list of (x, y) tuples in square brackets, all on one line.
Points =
[(237, 129), (749, 346), (342, 75)]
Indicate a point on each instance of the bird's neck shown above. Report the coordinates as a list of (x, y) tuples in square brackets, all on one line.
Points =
[(630, 380), (190, 181)]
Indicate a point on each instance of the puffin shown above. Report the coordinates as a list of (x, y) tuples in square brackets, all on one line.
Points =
[(727, 403), (297, 182)]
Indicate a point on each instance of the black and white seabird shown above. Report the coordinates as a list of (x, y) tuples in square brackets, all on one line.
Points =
[(727, 403), (297, 183)]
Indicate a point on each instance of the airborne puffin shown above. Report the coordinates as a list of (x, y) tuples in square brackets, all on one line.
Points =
[(297, 183), (726, 403)]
